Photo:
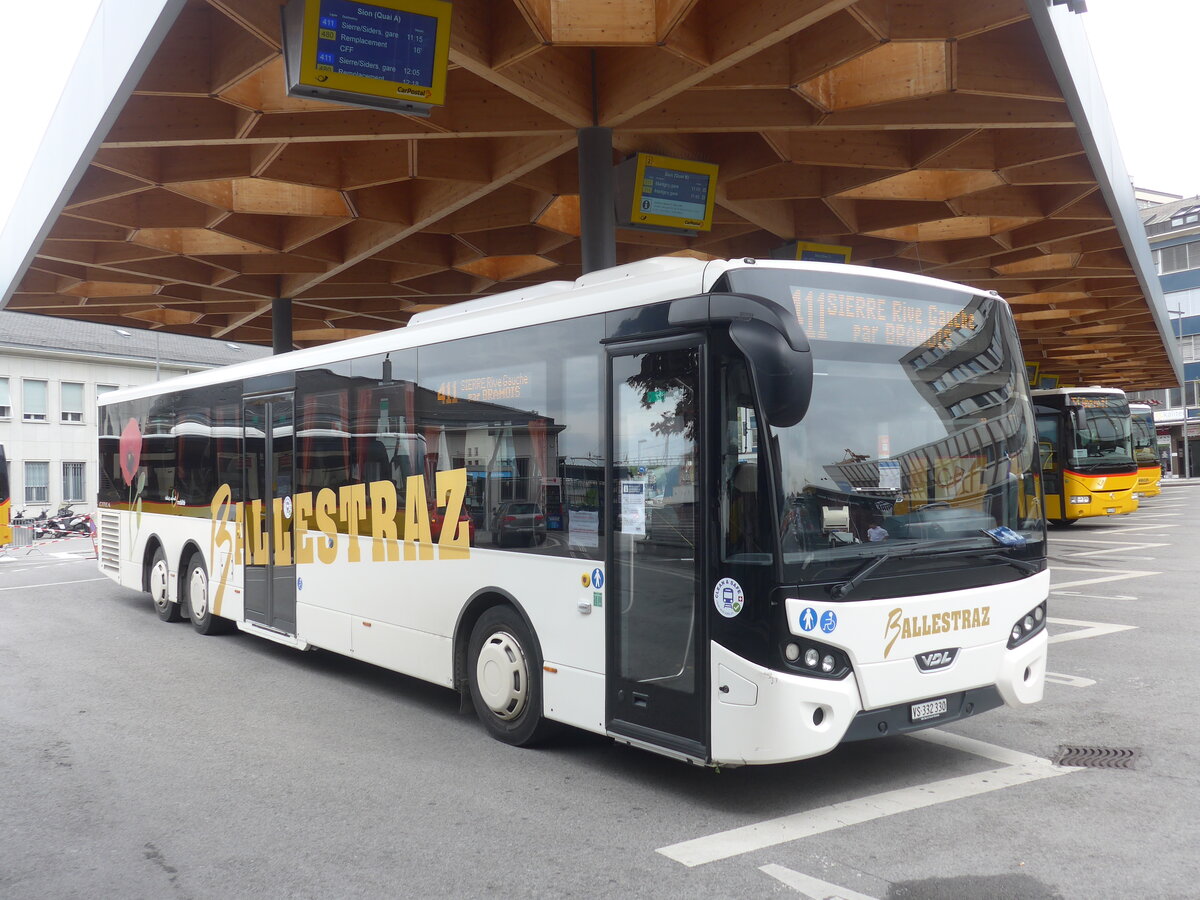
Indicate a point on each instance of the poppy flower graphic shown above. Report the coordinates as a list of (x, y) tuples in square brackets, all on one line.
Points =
[(131, 450)]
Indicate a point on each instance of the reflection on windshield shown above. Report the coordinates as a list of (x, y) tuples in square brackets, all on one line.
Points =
[(1145, 439), (1106, 436), (913, 439)]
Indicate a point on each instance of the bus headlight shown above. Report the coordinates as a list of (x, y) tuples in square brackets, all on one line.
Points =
[(1080, 499), (806, 657), (1028, 625)]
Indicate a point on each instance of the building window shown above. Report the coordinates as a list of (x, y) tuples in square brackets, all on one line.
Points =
[(37, 482), (72, 402), (5, 400), (102, 389), (72, 482), (33, 401)]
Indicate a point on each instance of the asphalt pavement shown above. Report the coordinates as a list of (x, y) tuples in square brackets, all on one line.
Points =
[(141, 760)]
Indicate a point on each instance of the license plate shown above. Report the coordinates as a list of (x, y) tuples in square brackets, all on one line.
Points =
[(930, 709)]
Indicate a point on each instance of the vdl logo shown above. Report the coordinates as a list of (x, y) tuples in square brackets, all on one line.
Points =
[(936, 659)]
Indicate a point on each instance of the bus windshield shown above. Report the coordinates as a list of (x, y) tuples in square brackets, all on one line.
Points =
[(1145, 440), (1107, 435), (919, 435)]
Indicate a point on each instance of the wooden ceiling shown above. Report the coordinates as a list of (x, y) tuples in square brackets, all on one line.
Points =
[(929, 135)]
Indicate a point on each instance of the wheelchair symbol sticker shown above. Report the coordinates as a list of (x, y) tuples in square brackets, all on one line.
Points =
[(828, 621)]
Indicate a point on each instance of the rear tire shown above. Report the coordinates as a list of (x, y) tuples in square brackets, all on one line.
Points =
[(193, 591), (1063, 523), (160, 579), (505, 672)]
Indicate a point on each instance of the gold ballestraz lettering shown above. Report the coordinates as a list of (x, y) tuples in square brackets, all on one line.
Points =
[(902, 627), (395, 529)]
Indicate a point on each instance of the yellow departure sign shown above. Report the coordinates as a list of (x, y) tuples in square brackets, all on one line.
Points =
[(385, 54)]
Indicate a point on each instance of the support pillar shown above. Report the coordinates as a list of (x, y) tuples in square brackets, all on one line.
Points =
[(281, 325), (597, 219)]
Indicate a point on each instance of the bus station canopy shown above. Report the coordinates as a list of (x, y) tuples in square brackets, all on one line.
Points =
[(955, 138)]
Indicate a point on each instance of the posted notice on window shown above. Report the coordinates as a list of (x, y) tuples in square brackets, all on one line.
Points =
[(633, 507)]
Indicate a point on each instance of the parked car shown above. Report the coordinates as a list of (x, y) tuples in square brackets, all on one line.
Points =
[(437, 516), (518, 522)]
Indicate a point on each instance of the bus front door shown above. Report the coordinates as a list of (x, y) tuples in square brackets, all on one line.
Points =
[(270, 571), (656, 683)]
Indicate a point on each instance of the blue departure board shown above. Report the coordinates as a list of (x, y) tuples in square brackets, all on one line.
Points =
[(675, 193), (371, 41)]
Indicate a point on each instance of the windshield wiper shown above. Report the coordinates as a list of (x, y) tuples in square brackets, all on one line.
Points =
[(841, 590), (1023, 564)]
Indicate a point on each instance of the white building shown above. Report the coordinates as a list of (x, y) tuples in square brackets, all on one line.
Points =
[(52, 370)]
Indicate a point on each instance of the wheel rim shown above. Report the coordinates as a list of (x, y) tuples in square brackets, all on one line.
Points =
[(158, 584), (502, 675), (198, 592)]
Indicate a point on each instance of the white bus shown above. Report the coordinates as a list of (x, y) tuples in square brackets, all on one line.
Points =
[(766, 507)]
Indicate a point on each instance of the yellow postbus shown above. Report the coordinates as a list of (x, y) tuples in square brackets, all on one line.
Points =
[(1145, 450), (1085, 437)]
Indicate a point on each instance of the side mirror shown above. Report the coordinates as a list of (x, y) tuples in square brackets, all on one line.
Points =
[(782, 376), (1078, 418)]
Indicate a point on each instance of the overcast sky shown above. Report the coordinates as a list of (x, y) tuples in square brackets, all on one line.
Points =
[(1145, 51)]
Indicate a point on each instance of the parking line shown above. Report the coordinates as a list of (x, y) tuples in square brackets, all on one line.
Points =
[(25, 587), (1085, 629), (783, 829), (1115, 575), (814, 888), (1069, 680)]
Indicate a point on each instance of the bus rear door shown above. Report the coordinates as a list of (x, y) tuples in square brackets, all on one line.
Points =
[(270, 571)]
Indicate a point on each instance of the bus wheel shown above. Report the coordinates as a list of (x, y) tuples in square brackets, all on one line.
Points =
[(159, 579), (194, 591), (1063, 523), (506, 678)]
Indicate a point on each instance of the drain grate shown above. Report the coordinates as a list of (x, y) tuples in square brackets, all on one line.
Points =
[(1096, 757)]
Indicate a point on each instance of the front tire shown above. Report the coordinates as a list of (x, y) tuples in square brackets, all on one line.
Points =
[(194, 593), (505, 671), (159, 579)]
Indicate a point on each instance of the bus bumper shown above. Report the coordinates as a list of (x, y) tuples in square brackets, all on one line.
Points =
[(763, 716)]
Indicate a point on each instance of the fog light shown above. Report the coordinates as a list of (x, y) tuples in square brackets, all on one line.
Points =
[(792, 652), (811, 658), (827, 663), (1039, 614), (1077, 499), (1016, 632), (1027, 624)]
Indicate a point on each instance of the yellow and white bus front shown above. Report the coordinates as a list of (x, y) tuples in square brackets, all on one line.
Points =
[(1145, 450), (889, 545)]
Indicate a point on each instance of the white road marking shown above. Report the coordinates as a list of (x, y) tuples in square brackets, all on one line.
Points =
[(1114, 575), (812, 888), (783, 829), (1114, 547), (1085, 629), (1130, 529), (25, 587), (1094, 596), (1069, 680)]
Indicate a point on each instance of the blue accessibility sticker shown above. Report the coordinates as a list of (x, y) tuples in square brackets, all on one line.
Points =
[(808, 618), (597, 579), (299, 584), (828, 621)]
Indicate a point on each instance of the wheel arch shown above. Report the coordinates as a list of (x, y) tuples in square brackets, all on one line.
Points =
[(153, 544), (190, 547), (479, 603)]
